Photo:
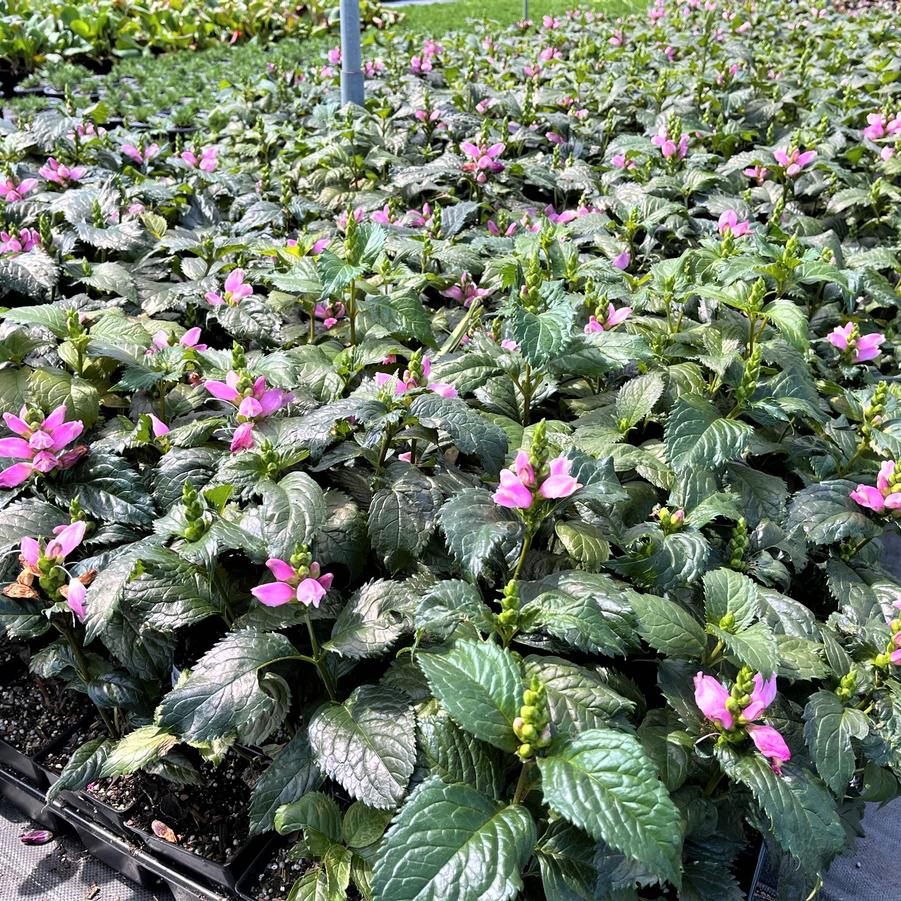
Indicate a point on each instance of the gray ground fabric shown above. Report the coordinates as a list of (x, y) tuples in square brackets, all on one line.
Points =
[(58, 871)]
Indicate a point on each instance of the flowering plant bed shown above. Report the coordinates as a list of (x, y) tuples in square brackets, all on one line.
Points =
[(506, 461)]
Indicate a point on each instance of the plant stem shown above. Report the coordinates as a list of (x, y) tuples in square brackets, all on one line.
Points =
[(522, 785), (713, 782), (526, 544), (318, 658), (84, 671), (715, 654)]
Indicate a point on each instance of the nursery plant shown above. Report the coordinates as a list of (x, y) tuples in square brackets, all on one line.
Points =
[(504, 463)]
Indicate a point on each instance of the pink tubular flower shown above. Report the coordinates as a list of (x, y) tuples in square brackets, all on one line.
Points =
[(67, 539), (466, 291), (517, 485), (713, 699), (59, 174), (758, 173), (141, 157), (622, 260), (190, 339), (40, 444), (861, 348), (206, 162), (236, 289), (12, 192), (613, 319), (306, 585), (330, 314), (668, 146), (509, 345), (887, 493), (875, 126), (482, 159), (620, 161), (559, 482), (27, 239), (793, 160), (157, 426), (254, 401), (407, 382), (729, 223)]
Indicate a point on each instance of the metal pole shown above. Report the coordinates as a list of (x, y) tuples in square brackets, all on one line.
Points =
[(525, 9), (351, 56)]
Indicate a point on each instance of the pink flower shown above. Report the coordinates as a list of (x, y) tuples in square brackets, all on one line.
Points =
[(417, 219), (793, 160), (559, 482), (12, 192), (64, 543), (254, 401), (620, 161), (613, 319), (885, 496), (886, 153), (509, 344), (482, 159), (622, 260), (157, 426), (60, 174), (617, 39), (141, 157), (27, 239), (236, 289), (408, 382), (466, 291), (713, 699), (517, 485), (875, 126), (729, 223), (330, 314), (190, 339), (334, 56), (756, 172), (206, 162), (40, 444), (771, 744), (76, 594), (511, 229), (306, 585), (382, 216), (863, 347)]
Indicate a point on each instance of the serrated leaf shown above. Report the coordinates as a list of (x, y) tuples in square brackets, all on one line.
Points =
[(367, 744), (603, 782), (730, 592), (292, 513), (480, 685), (668, 628), (225, 693), (697, 435), (450, 602), (402, 518), (370, 622), (584, 542), (83, 767), (829, 727), (637, 399), (565, 855), (801, 814), (472, 433), (825, 513), (542, 337), (480, 534), (755, 646), (450, 842), (138, 749), (579, 621), (292, 773)]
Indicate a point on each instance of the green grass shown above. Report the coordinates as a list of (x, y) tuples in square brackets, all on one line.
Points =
[(440, 18), (178, 81)]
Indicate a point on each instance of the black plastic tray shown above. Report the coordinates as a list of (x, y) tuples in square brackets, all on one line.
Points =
[(29, 799)]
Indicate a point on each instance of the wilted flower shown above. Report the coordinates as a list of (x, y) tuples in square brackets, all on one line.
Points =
[(41, 440), (887, 493), (305, 583), (236, 289)]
